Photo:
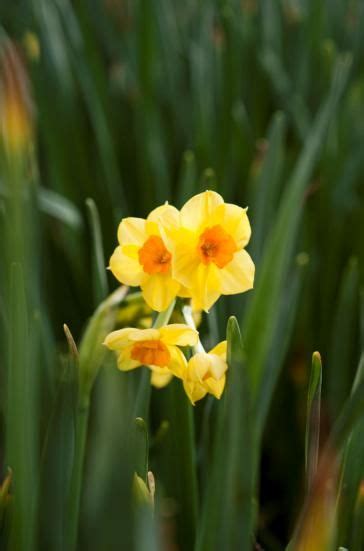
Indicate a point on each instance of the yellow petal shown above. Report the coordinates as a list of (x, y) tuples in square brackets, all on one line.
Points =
[(144, 335), (195, 391), (132, 231), (220, 350), (159, 290), (160, 377), (178, 363), (125, 361), (238, 275), (207, 287), (184, 292), (125, 266), (197, 212), (185, 258), (165, 215), (119, 339), (218, 366), (179, 334), (216, 388), (234, 221), (198, 366)]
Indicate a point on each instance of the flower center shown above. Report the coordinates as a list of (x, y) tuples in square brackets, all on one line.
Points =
[(154, 257), (152, 352), (216, 245)]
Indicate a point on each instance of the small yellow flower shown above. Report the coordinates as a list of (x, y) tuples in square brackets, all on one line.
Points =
[(208, 256), (205, 373), (142, 258), (154, 348)]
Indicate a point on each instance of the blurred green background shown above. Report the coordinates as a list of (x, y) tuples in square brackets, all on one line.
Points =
[(141, 102)]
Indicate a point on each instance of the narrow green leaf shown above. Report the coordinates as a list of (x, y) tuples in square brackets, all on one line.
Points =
[(141, 446), (188, 178), (265, 300), (313, 419), (228, 514), (55, 205), (98, 257)]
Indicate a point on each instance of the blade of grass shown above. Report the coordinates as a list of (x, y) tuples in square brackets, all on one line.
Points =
[(99, 273), (264, 304), (312, 438), (228, 514)]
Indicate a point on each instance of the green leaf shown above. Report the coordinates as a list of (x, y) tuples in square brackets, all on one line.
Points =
[(228, 514), (264, 305), (98, 257), (312, 439)]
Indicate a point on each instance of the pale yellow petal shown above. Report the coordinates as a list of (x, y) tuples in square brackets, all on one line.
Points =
[(207, 287), (165, 215), (234, 221), (194, 391), (144, 335), (197, 212), (218, 366), (179, 334), (197, 367), (125, 266), (159, 290), (216, 388), (160, 377), (119, 339), (125, 361), (238, 275), (178, 363), (220, 350), (132, 231)]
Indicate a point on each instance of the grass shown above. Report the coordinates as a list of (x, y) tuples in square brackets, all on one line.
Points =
[(137, 103)]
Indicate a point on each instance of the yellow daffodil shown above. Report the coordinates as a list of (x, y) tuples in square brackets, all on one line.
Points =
[(207, 248), (154, 348), (142, 258), (205, 373)]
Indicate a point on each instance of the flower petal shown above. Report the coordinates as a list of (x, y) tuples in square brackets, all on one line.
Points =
[(195, 391), (207, 287), (160, 377), (165, 215), (178, 363), (218, 366), (125, 266), (238, 275), (178, 334), (197, 367), (137, 335), (132, 231), (235, 222), (159, 290), (119, 339), (125, 361), (220, 350), (216, 388), (197, 212)]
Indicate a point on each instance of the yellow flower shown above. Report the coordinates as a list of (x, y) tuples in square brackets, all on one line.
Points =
[(154, 348), (205, 373), (208, 256), (142, 258)]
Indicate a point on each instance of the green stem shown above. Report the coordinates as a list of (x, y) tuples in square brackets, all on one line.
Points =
[(82, 416)]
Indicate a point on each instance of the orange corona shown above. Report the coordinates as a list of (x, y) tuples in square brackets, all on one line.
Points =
[(154, 256), (216, 245), (151, 352)]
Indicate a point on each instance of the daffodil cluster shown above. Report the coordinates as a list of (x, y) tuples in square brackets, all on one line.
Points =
[(196, 253)]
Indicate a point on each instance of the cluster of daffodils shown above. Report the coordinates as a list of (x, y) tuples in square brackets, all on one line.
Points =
[(196, 253)]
